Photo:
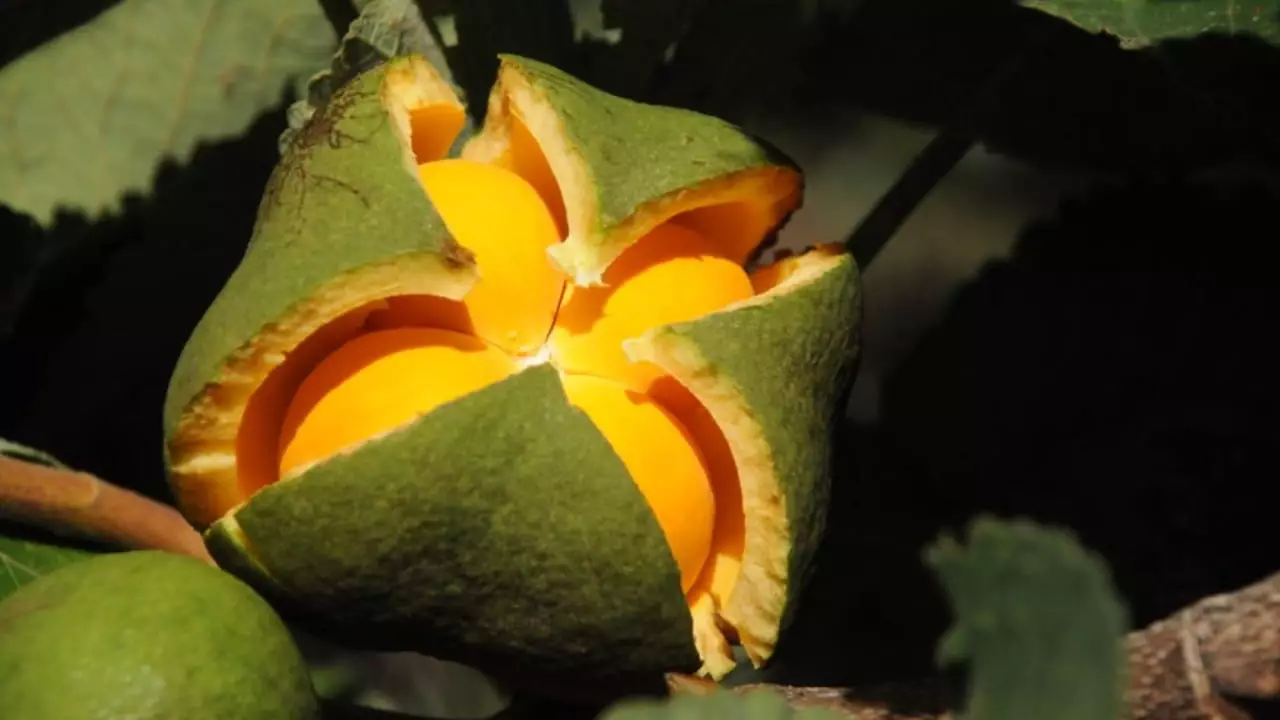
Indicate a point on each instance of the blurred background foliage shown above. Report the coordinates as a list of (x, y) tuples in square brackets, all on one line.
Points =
[(1072, 326)]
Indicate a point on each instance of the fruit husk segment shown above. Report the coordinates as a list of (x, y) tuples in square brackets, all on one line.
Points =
[(625, 167), (773, 372), (499, 529), (344, 221)]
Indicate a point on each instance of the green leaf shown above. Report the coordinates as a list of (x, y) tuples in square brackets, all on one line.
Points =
[(23, 560), (91, 114), (382, 30), (719, 705), (18, 451), (1141, 23), (1037, 618)]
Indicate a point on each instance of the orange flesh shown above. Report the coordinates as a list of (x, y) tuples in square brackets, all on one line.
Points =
[(379, 381), (501, 218), (673, 479), (670, 275), (524, 158), (433, 129), (721, 570), (407, 355)]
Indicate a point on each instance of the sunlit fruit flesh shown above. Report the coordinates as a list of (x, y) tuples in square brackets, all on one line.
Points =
[(379, 381), (674, 480), (419, 352), (671, 275)]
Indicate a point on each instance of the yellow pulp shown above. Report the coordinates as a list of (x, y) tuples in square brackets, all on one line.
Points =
[(500, 218), (379, 381), (725, 559), (661, 456), (670, 275), (420, 352)]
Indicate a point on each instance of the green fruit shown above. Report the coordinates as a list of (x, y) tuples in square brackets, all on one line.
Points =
[(623, 466), (147, 635)]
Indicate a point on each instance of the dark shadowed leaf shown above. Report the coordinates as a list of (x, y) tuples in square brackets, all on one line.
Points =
[(1140, 23), (1037, 619), (381, 30), (90, 114), (538, 29), (649, 32)]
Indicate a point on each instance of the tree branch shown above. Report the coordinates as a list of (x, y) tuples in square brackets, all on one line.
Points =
[(943, 153), (78, 504), (1187, 666), (934, 163)]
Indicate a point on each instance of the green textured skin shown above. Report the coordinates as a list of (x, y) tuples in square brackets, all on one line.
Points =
[(637, 152), (793, 361), (340, 199), (473, 534), (147, 636)]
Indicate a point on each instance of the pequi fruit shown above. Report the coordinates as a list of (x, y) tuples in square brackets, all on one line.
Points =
[(146, 635), (523, 408)]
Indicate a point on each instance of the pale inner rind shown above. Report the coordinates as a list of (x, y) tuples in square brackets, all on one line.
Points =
[(758, 600), (205, 438), (589, 249), (200, 467)]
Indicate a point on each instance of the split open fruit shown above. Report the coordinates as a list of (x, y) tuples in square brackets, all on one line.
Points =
[(524, 408)]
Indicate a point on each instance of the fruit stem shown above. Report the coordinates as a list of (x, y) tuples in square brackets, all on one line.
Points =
[(953, 141), (934, 162), (78, 504)]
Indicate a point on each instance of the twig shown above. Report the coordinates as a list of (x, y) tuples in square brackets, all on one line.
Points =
[(1183, 667), (934, 162), (78, 504)]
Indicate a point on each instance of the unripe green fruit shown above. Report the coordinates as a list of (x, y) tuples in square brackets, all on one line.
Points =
[(147, 636)]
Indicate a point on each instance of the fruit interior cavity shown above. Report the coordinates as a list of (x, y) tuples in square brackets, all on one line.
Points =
[(377, 368)]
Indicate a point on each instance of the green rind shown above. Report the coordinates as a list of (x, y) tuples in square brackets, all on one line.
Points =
[(792, 360), (341, 198), (229, 549), (500, 530), (637, 152), (149, 636)]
